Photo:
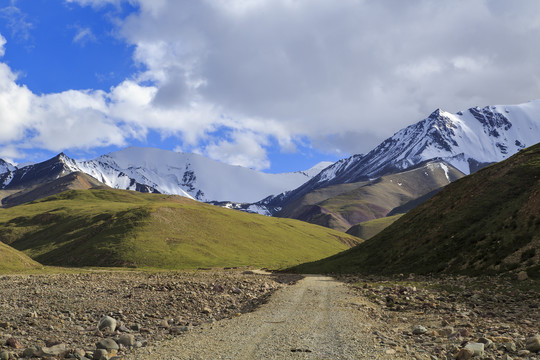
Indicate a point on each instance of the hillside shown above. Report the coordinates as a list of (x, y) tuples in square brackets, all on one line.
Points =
[(13, 260), (368, 229), (106, 227), (342, 206), (485, 223)]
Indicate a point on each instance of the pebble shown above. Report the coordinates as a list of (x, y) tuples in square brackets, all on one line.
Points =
[(4, 355), (127, 340), (100, 354), (419, 330), (533, 343), (108, 344), (107, 323)]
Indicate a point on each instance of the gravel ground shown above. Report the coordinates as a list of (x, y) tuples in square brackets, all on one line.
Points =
[(318, 318), (64, 310), (228, 314)]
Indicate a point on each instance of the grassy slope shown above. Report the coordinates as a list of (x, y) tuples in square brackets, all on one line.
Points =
[(13, 260), (488, 222), (105, 227), (342, 206), (369, 229)]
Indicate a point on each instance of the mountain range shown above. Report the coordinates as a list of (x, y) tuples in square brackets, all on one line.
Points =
[(466, 140), (160, 171)]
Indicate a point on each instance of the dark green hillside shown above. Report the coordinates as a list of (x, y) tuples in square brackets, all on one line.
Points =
[(106, 227), (485, 223)]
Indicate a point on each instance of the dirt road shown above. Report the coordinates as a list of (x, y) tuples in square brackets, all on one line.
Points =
[(317, 318)]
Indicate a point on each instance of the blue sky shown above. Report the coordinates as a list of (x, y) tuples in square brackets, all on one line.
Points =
[(275, 85)]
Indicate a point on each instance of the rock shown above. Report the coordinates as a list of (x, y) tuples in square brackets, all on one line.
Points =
[(533, 343), (127, 340), (100, 354), (477, 348), (509, 346), (107, 323), (32, 351), (107, 344), (464, 354), (4, 355), (54, 350), (419, 330), (14, 343), (135, 327), (522, 276)]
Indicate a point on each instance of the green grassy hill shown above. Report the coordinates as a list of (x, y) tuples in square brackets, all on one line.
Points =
[(485, 223), (106, 227), (13, 260), (342, 206), (369, 229)]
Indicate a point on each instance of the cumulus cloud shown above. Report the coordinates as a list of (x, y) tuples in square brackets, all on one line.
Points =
[(342, 75)]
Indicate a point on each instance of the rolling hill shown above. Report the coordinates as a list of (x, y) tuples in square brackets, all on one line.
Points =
[(485, 223), (342, 206), (106, 227), (13, 260)]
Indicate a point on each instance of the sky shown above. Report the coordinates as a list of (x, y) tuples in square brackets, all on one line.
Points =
[(274, 85)]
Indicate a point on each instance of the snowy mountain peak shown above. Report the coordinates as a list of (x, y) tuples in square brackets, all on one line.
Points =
[(467, 140), (6, 166)]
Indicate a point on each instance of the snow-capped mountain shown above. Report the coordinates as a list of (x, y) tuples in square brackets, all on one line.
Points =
[(5, 166), (467, 140), (166, 172)]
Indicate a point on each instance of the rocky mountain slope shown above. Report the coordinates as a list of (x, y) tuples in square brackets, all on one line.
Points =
[(488, 222), (467, 140), (161, 171), (342, 206), (108, 227)]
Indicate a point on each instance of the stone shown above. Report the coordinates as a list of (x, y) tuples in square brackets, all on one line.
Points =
[(4, 355), (533, 343), (127, 340), (54, 350), (419, 330), (107, 323), (107, 344), (477, 348), (100, 354), (32, 351), (522, 276), (14, 343), (446, 331), (464, 354)]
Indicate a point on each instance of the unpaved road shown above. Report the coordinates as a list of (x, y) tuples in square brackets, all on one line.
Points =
[(317, 318)]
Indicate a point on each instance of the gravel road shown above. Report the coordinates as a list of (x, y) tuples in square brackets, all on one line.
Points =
[(317, 318)]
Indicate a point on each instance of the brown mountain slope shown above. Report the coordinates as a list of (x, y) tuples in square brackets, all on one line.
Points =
[(341, 206), (72, 181), (485, 223)]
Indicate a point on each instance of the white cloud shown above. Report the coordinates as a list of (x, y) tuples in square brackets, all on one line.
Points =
[(83, 36), (243, 149), (342, 74), (2, 45)]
